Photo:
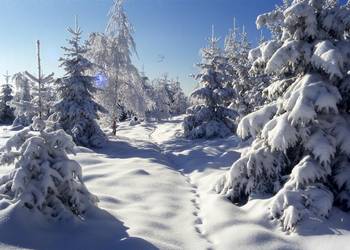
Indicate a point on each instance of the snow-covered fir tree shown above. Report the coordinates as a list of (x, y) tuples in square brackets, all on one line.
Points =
[(241, 81), (76, 111), (301, 153), (179, 101), (248, 85), (41, 91), (44, 179), (208, 117), (231, 51), (6, 111), (258, 80), (274, 20), (22, 102), (111, 53)]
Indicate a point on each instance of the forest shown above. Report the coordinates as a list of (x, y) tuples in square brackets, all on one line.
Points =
[(255, 157)]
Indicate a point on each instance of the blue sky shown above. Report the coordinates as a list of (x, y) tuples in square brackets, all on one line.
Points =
[(173, 29)]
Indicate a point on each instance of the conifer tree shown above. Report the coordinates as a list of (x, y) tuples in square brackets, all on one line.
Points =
[(208, 117), (44, 179), (232, 51), (76, 111), (40, 91), (6, 111), (248, 85), (243, 83), (179, 102), (22, 102)]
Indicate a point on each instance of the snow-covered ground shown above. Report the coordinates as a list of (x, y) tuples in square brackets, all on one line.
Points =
[(155, 193)]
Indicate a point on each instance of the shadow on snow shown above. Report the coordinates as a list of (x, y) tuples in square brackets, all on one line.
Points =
[(24, 228)]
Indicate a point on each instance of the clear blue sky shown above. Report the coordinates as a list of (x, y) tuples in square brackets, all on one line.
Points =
[(175, 29)]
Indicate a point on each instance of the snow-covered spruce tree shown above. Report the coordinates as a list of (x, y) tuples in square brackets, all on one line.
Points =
[(44, 178), (76, 111), (208, 117), (22, 102), (6, 111), (248, 85), (111, 53), (179, 101), (241, 81), (252, 84), (274, 20), (41, 93), (258, 81), (232, 53), (301, 153)]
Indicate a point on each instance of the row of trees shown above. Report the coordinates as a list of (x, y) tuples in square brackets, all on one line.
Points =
[(228, 88)]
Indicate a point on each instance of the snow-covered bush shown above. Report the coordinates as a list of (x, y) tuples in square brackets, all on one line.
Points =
[(76, 111), (134, 121), (22, 102), (209, 117), (6, 111), (301, 152), (44, 178)]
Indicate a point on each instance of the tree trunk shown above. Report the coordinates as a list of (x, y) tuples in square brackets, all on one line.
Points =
[(114, 127)]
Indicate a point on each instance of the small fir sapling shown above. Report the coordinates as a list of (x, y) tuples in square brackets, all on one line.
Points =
[(44, 179)]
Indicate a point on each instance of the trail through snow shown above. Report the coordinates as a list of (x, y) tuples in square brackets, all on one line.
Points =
[(185, 217)]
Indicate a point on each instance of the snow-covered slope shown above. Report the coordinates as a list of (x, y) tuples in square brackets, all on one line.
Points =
[(155, 193)]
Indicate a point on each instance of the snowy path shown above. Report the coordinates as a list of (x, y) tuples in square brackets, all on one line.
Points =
[(140, 187), (198, 222)]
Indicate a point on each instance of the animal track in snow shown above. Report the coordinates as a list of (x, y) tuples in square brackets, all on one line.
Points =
[(198, 221)]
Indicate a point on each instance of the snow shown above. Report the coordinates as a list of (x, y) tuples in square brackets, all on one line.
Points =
[(328, 58), (252, 124), (290, 54), (279, 134), (155, 192)]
